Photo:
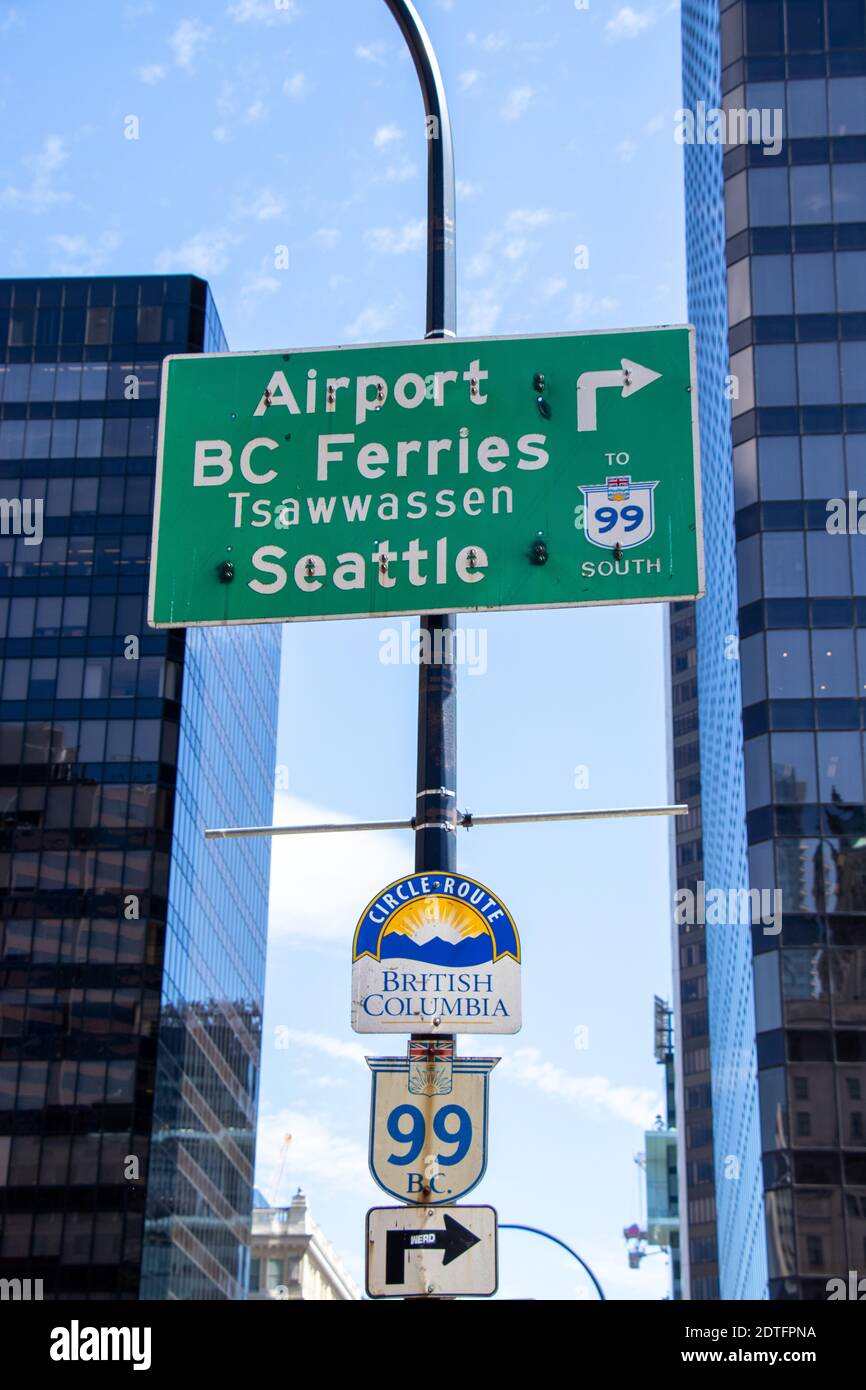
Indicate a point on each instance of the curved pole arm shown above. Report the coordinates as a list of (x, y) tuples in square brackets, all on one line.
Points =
[(441, 276), (512, 1226)]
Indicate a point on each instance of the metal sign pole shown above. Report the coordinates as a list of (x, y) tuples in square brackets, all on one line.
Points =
[(436, 782)]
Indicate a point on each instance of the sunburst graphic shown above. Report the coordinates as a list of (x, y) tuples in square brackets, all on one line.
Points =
[(446, 918)]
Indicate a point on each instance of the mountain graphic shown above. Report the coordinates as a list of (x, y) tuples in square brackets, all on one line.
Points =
[(471, 950)]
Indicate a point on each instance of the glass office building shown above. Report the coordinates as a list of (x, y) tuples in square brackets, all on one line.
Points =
[(776, 243), (131, 950)]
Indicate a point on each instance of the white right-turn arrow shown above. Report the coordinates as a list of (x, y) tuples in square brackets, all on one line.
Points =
[(631, 377)]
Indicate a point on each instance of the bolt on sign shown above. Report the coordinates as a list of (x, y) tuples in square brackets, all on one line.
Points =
[(436, 951), (448, 475)]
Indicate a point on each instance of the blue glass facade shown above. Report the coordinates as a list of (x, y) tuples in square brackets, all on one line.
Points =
[(131, 950), (725, 851), (777, 268)]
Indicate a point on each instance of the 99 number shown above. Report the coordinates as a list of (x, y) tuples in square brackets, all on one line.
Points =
[(609, 516), (414, 1134)]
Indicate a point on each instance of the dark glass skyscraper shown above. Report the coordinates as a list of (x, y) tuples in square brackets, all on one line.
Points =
[(131, 950), (776, 244)]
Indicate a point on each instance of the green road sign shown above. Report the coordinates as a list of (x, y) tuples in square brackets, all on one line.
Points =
[(452, 475)]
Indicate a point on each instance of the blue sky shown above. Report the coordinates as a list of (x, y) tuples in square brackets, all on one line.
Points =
[(280, 154)]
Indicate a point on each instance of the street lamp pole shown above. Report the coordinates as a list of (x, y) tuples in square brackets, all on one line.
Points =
[(436, 778)]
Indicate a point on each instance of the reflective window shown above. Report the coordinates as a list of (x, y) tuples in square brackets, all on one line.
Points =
[(847, 24), (150, 323), (793, 768), (42, 381), (779, 467), (768, 198), (94, 379), (739, 305), (784, 564), (847, 105), (789, 672), (765, 31), (807, 109), (805, 27), (833, 665), (814, 284), (98, 330), (736, 212), (745, 474), (849, 192), (823, 466), (818, 370), (853, 371), (840, 770), (771, 284), (742, 372), (749, 570), (810, 193), (829, 571), (855, 457), (757, 772), (775, 375), (851, 278)]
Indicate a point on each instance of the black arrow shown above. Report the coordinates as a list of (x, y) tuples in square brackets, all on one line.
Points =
[(454, 1239)]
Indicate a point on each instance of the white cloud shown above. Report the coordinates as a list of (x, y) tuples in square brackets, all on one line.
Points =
[(552, 287), (256, 111), (526, 1066), (151, 73), (517, 102), (529, 219), (79, 255), (263, 11), (398, 173), (479, 265), (635, 1104), (515, 249), (468, 79), (187, 41), (297, 86), (386, 135), (319, 1158), (370, 324), (39, 195), (467, 190), (327, 237), (626, 150), (264, 207), (257, 286), (482, 313), (396, 241), (656, 123), (628, 23), (354, 865), (372, 52), (204, 254), (491, 43), (585, 305), (332, 1047)]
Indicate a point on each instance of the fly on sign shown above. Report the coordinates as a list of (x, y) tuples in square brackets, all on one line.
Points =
[(445, 475)]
